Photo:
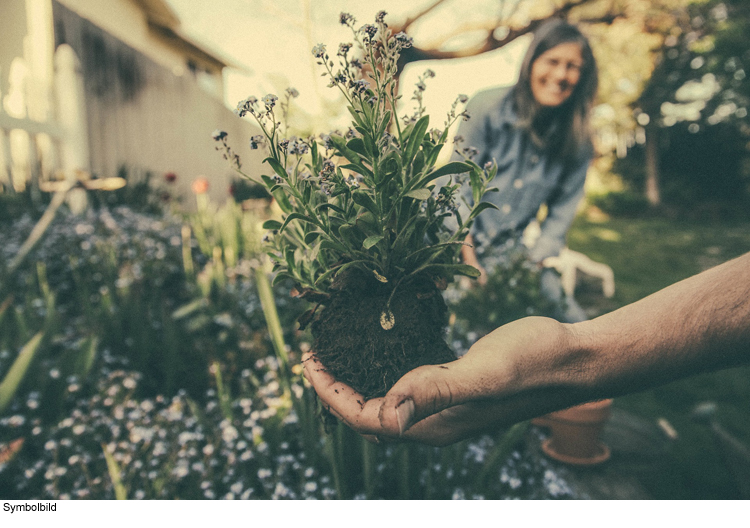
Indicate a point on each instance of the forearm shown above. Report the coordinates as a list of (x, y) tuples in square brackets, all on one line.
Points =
[(697, 325), (536, 365)]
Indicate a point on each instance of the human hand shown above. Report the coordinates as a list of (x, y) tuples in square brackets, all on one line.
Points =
[(494, 384)]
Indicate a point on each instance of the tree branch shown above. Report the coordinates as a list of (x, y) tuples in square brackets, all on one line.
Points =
[(416, 54), (410, 20)]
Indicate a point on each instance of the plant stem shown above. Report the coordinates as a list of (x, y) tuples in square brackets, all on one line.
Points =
[(36, 233), (334, 442), (114, 473), (501, 452), (403, 472), (224, 397), (267, 301), (368, 462)]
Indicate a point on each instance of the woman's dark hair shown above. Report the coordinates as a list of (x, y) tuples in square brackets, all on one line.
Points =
[(571, 133)]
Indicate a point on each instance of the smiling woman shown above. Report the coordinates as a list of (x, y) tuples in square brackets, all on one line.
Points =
[(537, 132), (555, 74)]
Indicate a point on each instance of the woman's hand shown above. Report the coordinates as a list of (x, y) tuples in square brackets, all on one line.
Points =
[(469, 256)]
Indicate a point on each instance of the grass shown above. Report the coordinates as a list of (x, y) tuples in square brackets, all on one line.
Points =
[(647, 255)]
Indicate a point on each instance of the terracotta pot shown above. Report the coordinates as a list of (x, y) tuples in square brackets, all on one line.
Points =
[(576, 432)]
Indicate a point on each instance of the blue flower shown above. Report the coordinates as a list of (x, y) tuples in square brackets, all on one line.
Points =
[(256, 141), (319, 51), (404, 40), (346, 19), (270, 101), (369, 30)]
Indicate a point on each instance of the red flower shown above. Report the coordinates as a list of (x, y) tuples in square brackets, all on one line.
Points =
[(170, 177), (200, 185)]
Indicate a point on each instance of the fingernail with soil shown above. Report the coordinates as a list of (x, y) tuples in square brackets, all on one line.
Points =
[(405, 415)]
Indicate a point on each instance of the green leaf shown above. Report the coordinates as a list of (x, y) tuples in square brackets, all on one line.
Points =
[(271, 224), (17, 371), (371, 241), (384, 124), (502, 450), (289, 258), (358, 168), (277, 167), (189, 308), (333, 246), (355, 115), (437, 248), (314, 153), (340, 189), (475, 180), (280, 276), (341, 146), (479, 208), (335, 207), (415, 139), (306, 194), (454, 167), (418, 164), (405, 231), (368, 219), (114, 473), (312, 236), (86, 357), (281, 198), (313, 255), (349, 265), (4, 307), (350, 235), (432, 158), (268, 181), (366, 201), (454, 269), (390, 166), (325, 276), (419, 194), (296, 216), (358, 146)]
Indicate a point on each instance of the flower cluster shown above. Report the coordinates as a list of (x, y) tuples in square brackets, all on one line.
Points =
[(147, 248), (220, 137), (355, 212), (170, 448), (178, 448), (120, 279)]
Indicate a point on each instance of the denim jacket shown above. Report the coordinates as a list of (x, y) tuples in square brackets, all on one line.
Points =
[(527, 177)]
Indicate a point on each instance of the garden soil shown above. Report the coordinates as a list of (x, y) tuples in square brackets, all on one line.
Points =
[(351, 344)]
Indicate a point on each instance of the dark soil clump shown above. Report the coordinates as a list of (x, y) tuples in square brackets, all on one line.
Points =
[(355, 349)]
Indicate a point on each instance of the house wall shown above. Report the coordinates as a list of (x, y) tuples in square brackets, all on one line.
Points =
[(126, 21), (143, 118)]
